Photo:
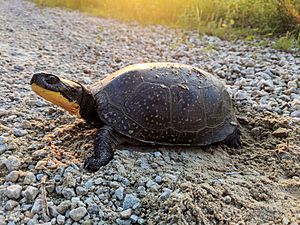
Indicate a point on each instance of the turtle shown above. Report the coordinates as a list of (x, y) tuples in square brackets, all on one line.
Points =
[(164, 104)]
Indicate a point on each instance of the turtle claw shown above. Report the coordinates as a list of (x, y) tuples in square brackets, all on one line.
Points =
[(93, 164)]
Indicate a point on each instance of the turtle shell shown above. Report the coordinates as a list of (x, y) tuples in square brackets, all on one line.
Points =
[(167, 104)]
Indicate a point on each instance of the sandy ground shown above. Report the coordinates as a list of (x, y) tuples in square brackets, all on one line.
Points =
[(258, 184)]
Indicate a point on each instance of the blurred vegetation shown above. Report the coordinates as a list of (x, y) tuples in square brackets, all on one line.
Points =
[(224, 18)]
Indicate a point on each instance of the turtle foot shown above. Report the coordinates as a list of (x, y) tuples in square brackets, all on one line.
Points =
[(93, 163), (233, 140)]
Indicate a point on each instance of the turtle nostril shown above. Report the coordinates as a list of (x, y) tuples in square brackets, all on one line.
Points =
[(52, 79)]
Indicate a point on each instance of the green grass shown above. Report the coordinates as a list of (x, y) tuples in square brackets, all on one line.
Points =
[(224, 18)]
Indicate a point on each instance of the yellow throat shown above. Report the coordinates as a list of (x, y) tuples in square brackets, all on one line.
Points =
[(57, 99)]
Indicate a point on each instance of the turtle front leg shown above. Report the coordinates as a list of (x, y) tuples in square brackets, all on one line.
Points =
[(234, 140), (106, 140)]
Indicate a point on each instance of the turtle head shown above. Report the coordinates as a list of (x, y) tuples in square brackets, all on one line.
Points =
[(67, 94)]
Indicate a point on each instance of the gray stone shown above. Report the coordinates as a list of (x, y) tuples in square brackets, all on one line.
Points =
[(3, 148), (123, 222), (37, 206), (13, 191), (60, 219), (152, 185), (269, 85), (166, 194), (141, 221), (19, 132), (134, 218), (2, 220), (93, 209), (131, 201), (141, 190), (158, 179), (39, 154), (12, 163), (68, 193), (33, 221), (39, 176), (12, 176), (3, 140), (53, 211), (10, 205), (57, 177), (126, 213), (30, 193), (87, 80), (119, 193), (81, 190), (40, 103), (296, 114), (63, 206), (88, 184), (241, 95), (156, 154), (78, 213), (18, 68), (292, 84)]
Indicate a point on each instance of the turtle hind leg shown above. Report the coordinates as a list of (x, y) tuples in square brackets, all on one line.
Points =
[(106, 140), (233, 140)]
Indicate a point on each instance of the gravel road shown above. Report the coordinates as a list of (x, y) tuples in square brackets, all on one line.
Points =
[(42, 147)]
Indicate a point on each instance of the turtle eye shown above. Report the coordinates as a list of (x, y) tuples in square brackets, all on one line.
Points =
[(52, 79)]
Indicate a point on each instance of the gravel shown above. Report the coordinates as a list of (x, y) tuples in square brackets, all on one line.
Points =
[(254, 185), (131, 201), (78, 213)]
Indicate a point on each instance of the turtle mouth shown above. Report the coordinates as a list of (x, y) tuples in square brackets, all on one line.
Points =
[(64, 93)]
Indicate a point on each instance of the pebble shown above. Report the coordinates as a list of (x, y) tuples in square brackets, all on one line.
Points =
[(10, 205), (2, 220), (123, 222), (152, 185), (19, 132), (12, 176), (296, 114), (280, 132), (12, 163), (3, 140), (131, 201), (227, 199), (157, 154), (60, 219), (126, 213), (30, 193), (88, 184), (3, 148), (81, 190), (18, 68), (158, 179), (13, 191), (64, 206), (78, 213), (119, 193), (285, 221), (37, 206), (166, 194), (94, 209), (53, 210), (29, 178), (68, 193), (87, 80)]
